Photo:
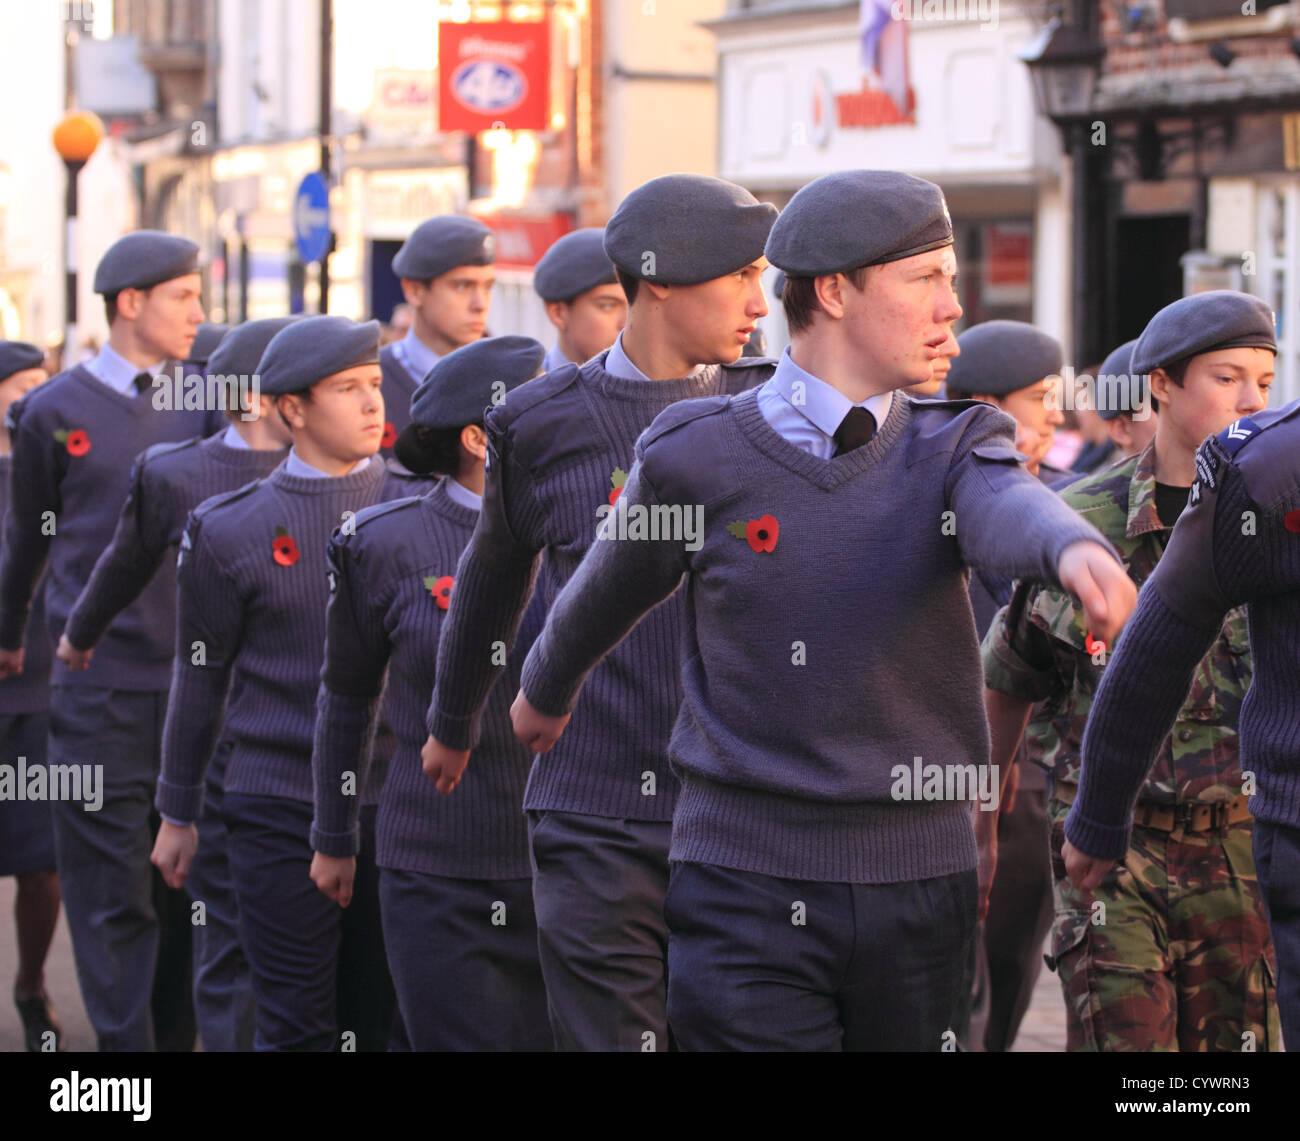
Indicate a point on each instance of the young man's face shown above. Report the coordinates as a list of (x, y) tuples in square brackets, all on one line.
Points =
[(898, 323), (591, 322), (452, 310), (1036, 407), (715, 319), (1130, 433), (166, 317), (16, 385), (1218, 387), (344, 419)]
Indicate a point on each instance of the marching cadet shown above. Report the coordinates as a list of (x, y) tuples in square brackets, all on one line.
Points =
[(689, 253), (74, 442), (251, 625), (447, 274), (1183, 960), (1125, 406), (26, 826), (583, 299), (455, 883), (168, 481), (809, 906)]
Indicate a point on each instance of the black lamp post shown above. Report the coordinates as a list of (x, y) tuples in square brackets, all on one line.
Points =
[(75, 138)]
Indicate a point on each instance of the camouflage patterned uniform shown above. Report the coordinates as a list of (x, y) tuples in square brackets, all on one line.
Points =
[(1172, 952)]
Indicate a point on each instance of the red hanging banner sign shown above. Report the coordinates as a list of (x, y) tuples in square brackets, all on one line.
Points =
[(493, 75)]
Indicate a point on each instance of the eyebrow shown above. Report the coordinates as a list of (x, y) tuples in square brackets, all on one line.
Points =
[(1239, 369)]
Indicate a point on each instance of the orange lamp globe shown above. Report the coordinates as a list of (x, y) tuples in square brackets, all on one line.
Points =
[(77, 136)]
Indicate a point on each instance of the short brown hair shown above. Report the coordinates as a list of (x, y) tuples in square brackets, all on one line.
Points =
[(799, 297), (629, 283)]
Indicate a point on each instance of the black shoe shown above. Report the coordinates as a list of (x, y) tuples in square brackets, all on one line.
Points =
[(39, 1021)]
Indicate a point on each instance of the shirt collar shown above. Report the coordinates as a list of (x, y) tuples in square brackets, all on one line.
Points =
[(295, 465), (116, 371), (1142, 513), (416, 355), (823, 405), (232, 439), (555, 358), (459, 493), (618, 363)]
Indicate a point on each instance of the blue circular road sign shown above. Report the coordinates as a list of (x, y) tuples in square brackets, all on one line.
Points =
[(311, 218)]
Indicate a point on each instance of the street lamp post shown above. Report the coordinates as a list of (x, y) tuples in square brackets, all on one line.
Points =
[(75, 138)]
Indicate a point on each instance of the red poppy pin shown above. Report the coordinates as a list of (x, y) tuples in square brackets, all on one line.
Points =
[(389, 438), (440, 588), (761, 534), (1092, 645), (616, 481), (1291, 521), (76, 441), (283, 549)]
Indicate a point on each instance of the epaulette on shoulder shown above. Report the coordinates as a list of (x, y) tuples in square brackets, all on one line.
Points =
[(378, 510), (681, 413), (167, 447), (751, 362), (953, 406), (395, 469), (224, 499), (531, 393), (1266, 466)]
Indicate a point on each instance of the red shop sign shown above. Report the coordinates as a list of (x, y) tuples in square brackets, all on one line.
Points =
[(493, 75)]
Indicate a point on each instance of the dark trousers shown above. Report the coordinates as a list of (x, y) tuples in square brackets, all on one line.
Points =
[(320, 979), (761, 963), (464, 959), (223, 987), (1277, 867), (598, 889), (26, 826), (112, 896)]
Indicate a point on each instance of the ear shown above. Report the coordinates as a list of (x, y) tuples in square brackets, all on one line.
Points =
[(1160, 384), (129, 303), (558, 312), (413, 291), (289, 406), (474, 440), (659, 290), (829, 289), (1120, 430)]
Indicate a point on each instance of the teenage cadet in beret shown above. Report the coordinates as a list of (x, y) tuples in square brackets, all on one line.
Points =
[(446, 863), (584, 301), (815, 901), (75, 440), (1192, 831), (447, 274), (689, 251), (26, 826), (1122, 404), (167, 482), (253, 590)]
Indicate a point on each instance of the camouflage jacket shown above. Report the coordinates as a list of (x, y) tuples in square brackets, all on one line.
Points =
[(1038, 649)]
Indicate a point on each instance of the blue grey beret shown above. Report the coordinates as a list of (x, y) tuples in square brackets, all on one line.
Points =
[(574, 264), (144, 259), (1217, 319), (461, 386), (1001, 357), (17, 356), (205, 343), (313, 348), (858, 217), (682, 229), (441, 244), (1115, 396), (241, 349)]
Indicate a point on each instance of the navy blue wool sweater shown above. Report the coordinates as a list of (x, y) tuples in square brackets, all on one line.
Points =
[(829, 633), (75, 440), (558, 448), (397, 388), (1238, 542), (253, 588), (385, 616), (29, 692)]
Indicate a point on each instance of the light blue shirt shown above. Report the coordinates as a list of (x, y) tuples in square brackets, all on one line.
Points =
[(555, 358), (619, 364), (296, 465), (415, 355), (114, 370), (459, 493), (806, 411), (232, 439)]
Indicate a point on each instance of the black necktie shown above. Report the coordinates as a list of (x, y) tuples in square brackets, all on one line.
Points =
[(142, 381), (855, 429)]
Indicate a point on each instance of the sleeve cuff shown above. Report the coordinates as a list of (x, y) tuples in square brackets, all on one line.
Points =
[(179, 803), (454, 732), (1101, 841), (337, 844), (546, 693), (1006, 672)]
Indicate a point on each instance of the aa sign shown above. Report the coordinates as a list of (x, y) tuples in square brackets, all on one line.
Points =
[(493, 75)]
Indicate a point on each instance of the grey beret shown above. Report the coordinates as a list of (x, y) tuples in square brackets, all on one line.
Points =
[(682, 229), (144, 259), (1001, 357), (205, 343), (241, 349), (1217, 319), (858, 217), (313, 348), (461, 386), (18, 356), (441, 244), (1116, 395), (574, 264)]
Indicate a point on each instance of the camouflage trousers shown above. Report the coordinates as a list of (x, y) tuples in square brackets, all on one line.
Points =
[(1172, 951)]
